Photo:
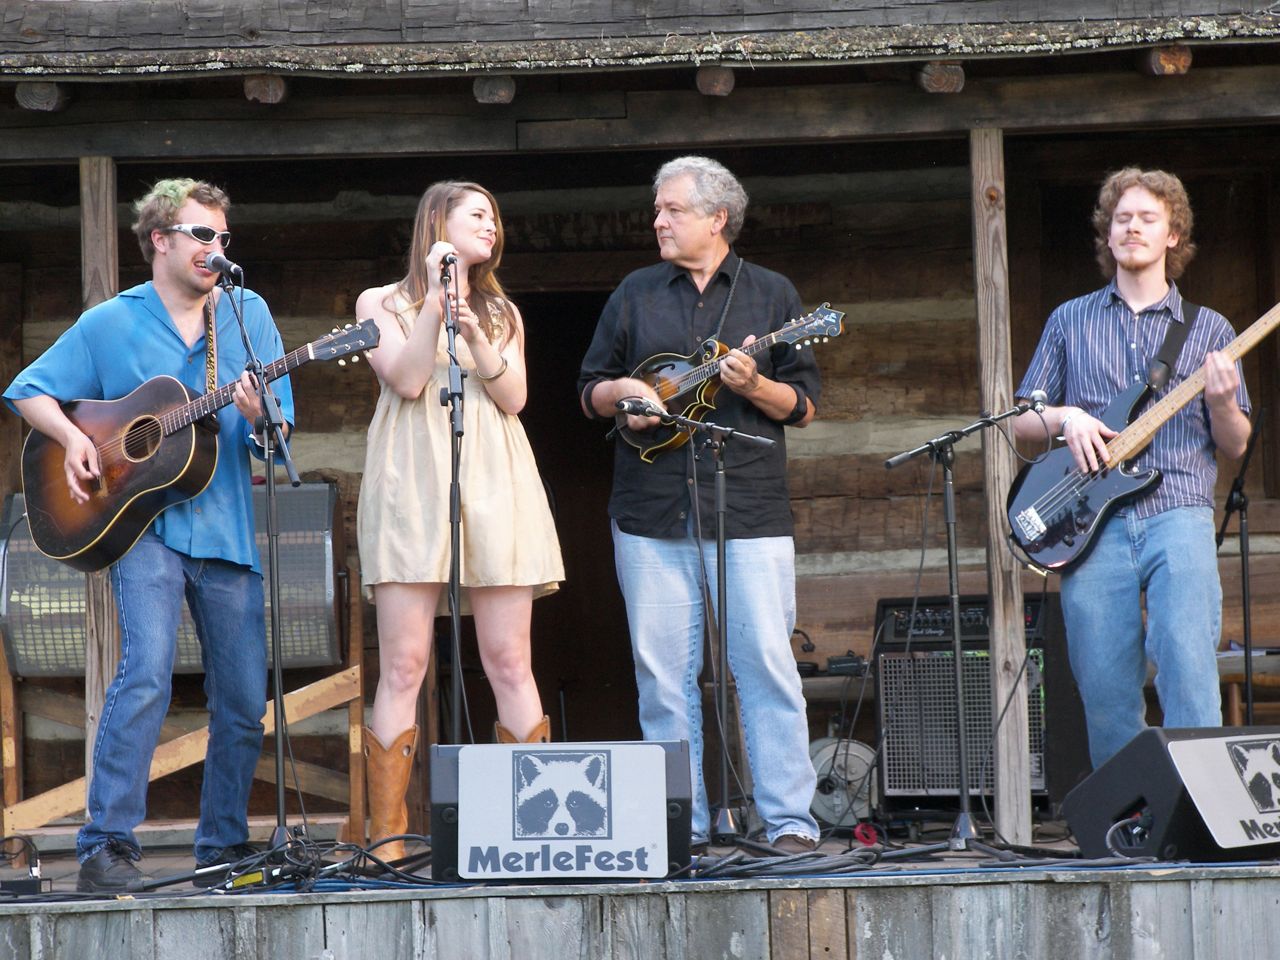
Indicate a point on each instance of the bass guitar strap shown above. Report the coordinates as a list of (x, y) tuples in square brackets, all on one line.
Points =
[(1161, 367)]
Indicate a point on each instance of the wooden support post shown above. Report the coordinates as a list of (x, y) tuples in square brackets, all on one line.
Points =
[(715, 81), (42, 95), (1008, 646), (1173, 60), (354, 611), (941, 76), (99, 281), (496, 89)]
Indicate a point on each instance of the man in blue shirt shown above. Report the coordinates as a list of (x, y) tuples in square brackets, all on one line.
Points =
[(202, 549), (1162, 544)]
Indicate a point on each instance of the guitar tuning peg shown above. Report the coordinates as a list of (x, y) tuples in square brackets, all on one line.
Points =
[(342, 363), (355, 358), (334, 330)]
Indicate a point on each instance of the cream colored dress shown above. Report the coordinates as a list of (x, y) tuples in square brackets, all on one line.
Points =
[(508, 535)]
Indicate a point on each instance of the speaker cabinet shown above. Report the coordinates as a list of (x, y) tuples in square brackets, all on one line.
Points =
[(916, 702), (445, 804), (1208, 794)]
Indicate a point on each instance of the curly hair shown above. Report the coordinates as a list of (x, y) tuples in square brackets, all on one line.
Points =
[(159, 208), (714, 188), (1165, 187)]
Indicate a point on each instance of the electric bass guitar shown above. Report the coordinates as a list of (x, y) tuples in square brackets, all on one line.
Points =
[(1055, 509), (687, 385), (156, 447)]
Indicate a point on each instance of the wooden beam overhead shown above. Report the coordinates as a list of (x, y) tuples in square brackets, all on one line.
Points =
[(715, 81), (494, 89), (941, 76), (1173, 60), (42, 96), (266, 88), (676, 119)]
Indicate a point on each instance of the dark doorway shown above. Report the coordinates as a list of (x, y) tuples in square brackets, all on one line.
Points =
[(581, 648)]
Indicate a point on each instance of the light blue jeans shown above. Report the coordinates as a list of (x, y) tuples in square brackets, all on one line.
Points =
[(662, 586), (226, 604), (1172, 557)]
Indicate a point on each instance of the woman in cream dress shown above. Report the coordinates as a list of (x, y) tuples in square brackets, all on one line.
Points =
[(510, 552)]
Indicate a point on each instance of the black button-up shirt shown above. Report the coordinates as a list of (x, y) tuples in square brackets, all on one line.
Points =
[(659, 309)]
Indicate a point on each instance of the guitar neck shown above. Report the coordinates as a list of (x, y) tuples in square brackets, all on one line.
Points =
[(207, 403), (704, 372), (1139, 433)]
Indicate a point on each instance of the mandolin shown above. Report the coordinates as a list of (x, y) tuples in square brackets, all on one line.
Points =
[(687, 385)]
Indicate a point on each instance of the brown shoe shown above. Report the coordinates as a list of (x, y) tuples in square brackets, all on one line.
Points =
[(793, 844), (387, 770), (541, 733)]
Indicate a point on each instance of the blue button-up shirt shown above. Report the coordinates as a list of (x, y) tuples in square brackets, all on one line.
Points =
[(123, 342), (1095, 347)]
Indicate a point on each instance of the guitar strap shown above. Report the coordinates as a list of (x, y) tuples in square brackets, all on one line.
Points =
[(1162, 366), (211, 348), (733, 285)]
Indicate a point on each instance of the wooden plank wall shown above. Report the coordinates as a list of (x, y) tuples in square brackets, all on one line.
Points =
[(884, 234), (1054, 917)]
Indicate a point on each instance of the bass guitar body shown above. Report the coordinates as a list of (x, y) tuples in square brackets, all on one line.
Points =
[(144, 471), (1056, 511)]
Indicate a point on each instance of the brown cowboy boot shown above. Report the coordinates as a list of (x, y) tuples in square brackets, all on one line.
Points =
[(387, 772), (541, 733)]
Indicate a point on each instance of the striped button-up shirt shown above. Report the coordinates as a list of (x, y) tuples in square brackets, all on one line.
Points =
[(1095, 347)]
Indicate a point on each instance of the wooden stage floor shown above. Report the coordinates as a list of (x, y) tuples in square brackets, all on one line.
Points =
[(963, 906)]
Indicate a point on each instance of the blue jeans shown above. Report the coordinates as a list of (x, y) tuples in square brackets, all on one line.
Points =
[(1171, 557), (227, 607), (662, 587)]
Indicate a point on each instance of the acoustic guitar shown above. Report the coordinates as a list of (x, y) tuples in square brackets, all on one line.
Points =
[(687, 385), (155, 448), (1055, 509)]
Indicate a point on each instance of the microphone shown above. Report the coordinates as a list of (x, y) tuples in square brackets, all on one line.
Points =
[(448, 260), (1038, 400), (217, 263), (640, 407)]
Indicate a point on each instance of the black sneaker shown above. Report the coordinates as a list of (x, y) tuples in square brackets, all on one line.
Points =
[(227, 857), (111, 870)]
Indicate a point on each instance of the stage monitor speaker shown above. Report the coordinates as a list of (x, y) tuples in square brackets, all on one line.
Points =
[(1205, 795), (916, 701), (563, 811)]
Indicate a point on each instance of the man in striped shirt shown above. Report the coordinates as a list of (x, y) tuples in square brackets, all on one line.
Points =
[(1161, 544)]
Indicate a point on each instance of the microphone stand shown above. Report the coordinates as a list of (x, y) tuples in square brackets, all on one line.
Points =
[(1238, 501), (451, 396), (964, 835), (724, 829), (273, 439)]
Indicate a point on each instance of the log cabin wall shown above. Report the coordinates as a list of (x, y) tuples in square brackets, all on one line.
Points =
[(881, 229)]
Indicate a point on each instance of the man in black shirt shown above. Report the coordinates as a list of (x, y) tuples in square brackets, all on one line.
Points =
[(664, 544)]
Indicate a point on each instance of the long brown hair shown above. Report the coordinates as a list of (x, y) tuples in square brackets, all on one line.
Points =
[(1166, 188), (487, 297)]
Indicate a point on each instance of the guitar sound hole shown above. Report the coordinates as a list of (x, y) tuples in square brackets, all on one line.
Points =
[(142, 439)]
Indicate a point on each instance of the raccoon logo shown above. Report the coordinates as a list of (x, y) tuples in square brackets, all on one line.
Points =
[(561, 795), (1258, 764)]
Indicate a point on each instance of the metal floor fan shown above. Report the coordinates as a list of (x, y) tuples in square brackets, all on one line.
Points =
[(847, 781)]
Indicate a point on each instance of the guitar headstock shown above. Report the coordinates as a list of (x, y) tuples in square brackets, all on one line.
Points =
[(818, 327), (348, 342)]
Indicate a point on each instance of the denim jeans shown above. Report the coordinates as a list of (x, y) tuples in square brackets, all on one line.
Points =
[(1171, 557), (226, 604), (662, 586)]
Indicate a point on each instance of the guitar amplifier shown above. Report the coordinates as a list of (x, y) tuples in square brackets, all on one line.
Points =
[(916, 702)]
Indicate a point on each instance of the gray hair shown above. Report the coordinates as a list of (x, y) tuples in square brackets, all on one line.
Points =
[(714, 188)]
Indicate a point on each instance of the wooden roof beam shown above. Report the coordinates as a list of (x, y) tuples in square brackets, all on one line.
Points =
[(42, 95), (500, 88), (1172, 60), (941, 76), (266, 88), (714, 81)]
